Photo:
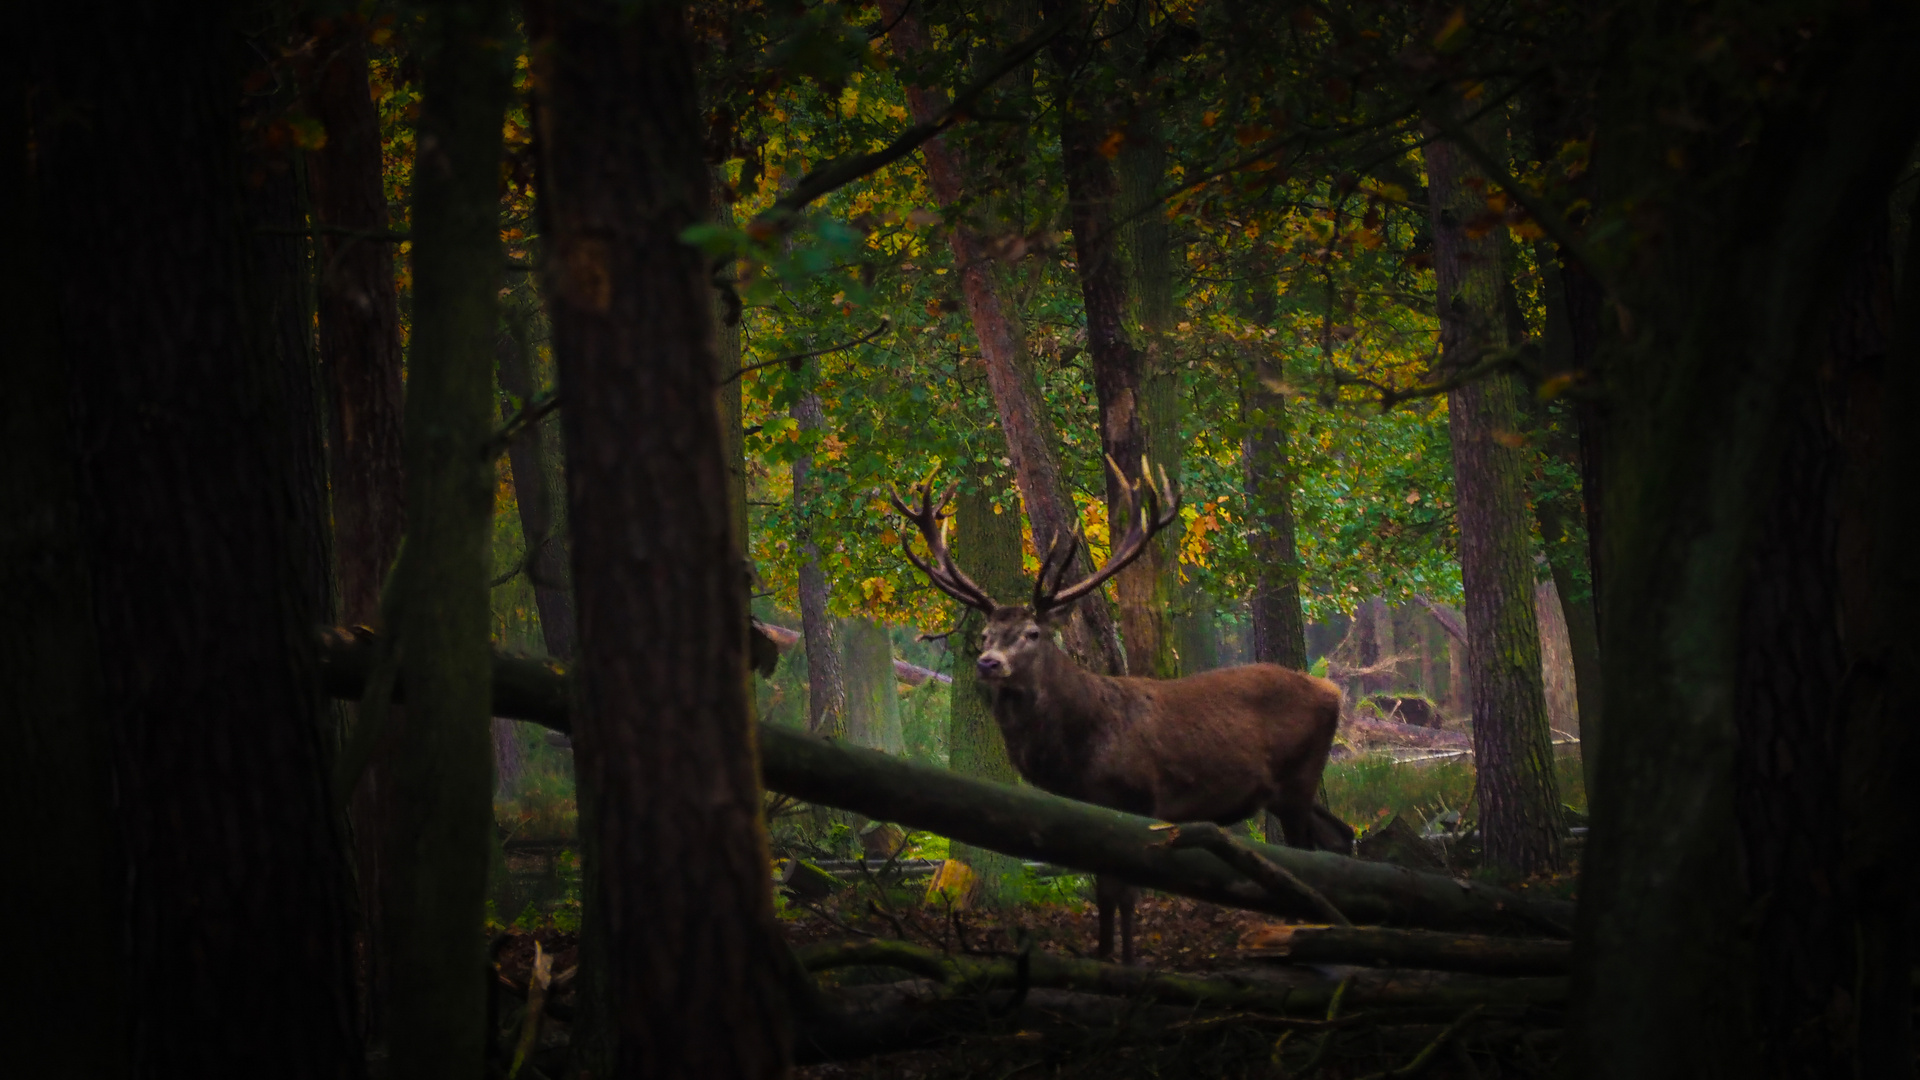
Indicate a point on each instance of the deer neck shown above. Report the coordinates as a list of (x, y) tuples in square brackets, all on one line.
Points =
[(1054, 716)]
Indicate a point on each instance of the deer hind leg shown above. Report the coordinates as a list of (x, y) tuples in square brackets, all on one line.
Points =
[(1111, 893)]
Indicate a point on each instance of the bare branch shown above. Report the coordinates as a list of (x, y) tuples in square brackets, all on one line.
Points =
[(793, 361)]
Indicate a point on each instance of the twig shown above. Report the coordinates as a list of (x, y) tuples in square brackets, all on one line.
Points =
[(537, 983), (339, 230), (530, 414), (1269, 875), (1490, 363), (845, 170), (1420, 1060), (794, 360), (1333, 1013)]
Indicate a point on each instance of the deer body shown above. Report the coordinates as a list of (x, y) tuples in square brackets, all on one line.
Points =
[(1219, 746)]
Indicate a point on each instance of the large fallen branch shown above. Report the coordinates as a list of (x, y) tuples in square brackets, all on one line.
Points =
[(1031, 824)]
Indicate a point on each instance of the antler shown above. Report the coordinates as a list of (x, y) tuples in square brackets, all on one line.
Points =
[(931, 521), (1143, 524)]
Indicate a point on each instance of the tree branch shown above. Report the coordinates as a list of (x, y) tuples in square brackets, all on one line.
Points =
[(842, 171), (794, 360)]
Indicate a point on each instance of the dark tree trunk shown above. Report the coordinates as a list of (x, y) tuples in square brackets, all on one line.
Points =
[(534, 457), (1023, 418), (443, 756), (359, 324), (199, 515), (1119, 375), (1715, 347), (988, 545), (56, 777), (826, 677), (1798, 743), (1519, 808), (664, 742)]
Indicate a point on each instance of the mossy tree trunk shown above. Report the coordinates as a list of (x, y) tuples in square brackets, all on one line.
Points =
[(826, 674), (535, 459), (1745, 760), (873, 692), (443, 755), (987, 543), (1519, 808), (197, 477), (679, 897)]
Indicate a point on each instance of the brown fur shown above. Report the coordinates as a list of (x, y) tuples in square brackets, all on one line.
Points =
[(1219, 746)]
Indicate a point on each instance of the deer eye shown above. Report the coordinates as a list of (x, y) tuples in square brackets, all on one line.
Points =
[(1033, 633)]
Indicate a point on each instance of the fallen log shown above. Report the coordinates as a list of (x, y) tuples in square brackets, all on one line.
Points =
[(1381, 947), (1028, 823), (911, 674), (1278, 991), (1372, 729)]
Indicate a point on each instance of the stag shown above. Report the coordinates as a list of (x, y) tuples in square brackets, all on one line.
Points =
[(1218, 746)]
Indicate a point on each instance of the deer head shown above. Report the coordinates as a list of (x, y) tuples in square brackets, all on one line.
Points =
[(1017, 636)]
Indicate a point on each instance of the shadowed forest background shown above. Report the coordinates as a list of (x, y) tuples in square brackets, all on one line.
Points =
[(459, 624)]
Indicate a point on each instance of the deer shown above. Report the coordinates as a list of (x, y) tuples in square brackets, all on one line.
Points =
[(1216, 746)]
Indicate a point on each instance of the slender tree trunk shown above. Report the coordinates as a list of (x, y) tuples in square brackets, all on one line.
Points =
[(1279, 632), (1120, 374), (1519, 807), (664, 742), (826, 678), (1197, 631), (443, 780), (199, 481), (359, 324), (1023, 418), (533, 457), (1561, 518), (56, 778), (727, 351), (873, 692), (988, 544)]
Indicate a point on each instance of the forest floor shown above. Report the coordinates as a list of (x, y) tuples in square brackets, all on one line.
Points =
[(1058, 1035)]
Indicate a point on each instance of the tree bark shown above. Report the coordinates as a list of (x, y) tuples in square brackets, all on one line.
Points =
[(360, 360), (359, 325), (1676, 969), (56, 777), (443, 754), (1562, 519), (1119, 365), (1023, 418), (665, 746), (1031, 824), (988, 544), (199, 476), (534, 457), (873, 694), (826, 676), (1279, 632), (1519, 808)]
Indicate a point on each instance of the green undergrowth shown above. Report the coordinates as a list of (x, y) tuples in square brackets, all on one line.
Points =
[(1369, 790)]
